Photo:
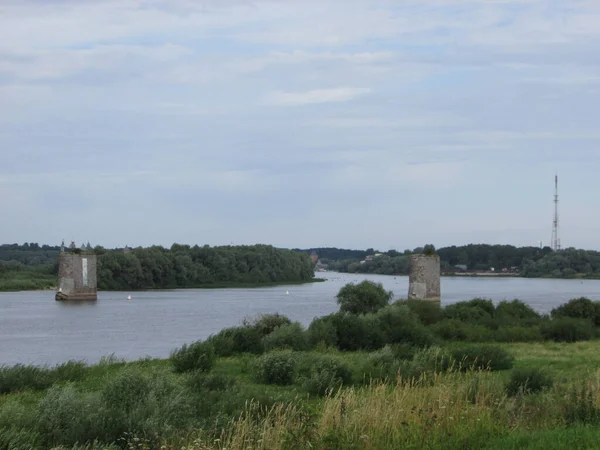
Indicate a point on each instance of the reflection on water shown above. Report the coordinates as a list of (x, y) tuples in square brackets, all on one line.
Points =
[(34, 328)]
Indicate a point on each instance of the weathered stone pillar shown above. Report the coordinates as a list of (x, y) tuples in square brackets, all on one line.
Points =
[(77, 277), (424, 278)]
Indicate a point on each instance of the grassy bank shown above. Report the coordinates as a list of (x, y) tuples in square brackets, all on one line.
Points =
[(26, 280), (229, 408), (472, 375)]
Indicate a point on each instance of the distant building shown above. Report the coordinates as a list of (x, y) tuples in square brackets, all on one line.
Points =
[(461, 267)]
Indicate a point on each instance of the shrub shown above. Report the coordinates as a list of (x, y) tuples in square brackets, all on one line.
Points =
[(201, 382), (275, 368), (380, 365), (399, 325), (267, 323), (235, 340), (474, 311), (68, 417), (518, 334), (21, 377), (483, 357), (578, 308), (322, 374), (322, 331), (197, 356), (427, 360), (580, 405), (456, 330), (527, 381), (567, 329), (427, 312), (516, 309), (351, 332), (291, 336), (126, 390), (70, 371), (362, 298)]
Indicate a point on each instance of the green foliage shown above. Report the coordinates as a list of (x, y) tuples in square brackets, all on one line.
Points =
[(518, 334), (474, 311), (200, 382), (429, 250), (267, 323), (230, 341), (528, 381), (290, 336), (184, 266), (581, 406), (21, 377), (567, 329), (482, 357), (456, 330), (322, 331), (381, 365), (516, 309), (399, 325), (427, 312), (362, 298), (323, 374), (127, 390), (197, 356), (579, 308), (275, 368)]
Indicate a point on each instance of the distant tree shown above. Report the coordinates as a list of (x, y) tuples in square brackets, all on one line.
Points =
[(362, 298), (429, 250)]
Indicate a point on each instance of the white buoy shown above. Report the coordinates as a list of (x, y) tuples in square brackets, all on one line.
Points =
[(287, 292), (129, 297)]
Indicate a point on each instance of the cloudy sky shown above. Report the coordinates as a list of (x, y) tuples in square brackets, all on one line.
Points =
[(385, 124)]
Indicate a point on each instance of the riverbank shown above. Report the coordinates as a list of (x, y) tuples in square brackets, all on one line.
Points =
[(47, 283), (148, 404)]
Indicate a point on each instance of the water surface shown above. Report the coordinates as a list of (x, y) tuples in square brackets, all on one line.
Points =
[(36, 329)]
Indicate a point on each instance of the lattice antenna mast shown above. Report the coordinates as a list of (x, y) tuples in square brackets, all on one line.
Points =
[(555, 234)]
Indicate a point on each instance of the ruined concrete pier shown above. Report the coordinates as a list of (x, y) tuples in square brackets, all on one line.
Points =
[(424, 278), (77, 277)]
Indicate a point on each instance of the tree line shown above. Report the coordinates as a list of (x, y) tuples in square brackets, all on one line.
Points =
[(180, 266), (527, 261)]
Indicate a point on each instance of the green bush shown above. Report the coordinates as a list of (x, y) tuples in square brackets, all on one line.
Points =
[(275, 368), (567, 329), (197, 356), (516, 309), (200, 382), (352, 332), (580, 405), (427, 312), (362, 298), (518, 334), (381, 365), (578, 308), (456, 330), (474, 311), (290, 336), (126, 390), (323, 374), (399, 325), (427, 360), (483, 357), (70, 371), (322, 331), (266, 323), (21, 377), (234, 340), (527, 381)]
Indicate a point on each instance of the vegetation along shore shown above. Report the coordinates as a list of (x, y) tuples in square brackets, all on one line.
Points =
[(32, 267), (378, 374)]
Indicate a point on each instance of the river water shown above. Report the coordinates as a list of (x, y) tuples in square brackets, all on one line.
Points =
[(36, 329)]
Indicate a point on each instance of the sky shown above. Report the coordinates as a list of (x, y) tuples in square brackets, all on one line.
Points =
[(299, 123)]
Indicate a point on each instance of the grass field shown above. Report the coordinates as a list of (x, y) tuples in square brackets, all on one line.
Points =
[(450, 410)]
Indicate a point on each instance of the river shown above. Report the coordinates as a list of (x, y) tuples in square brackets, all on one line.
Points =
[(36, 329)]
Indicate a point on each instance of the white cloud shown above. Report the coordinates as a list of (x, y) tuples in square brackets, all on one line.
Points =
[(340, 94)]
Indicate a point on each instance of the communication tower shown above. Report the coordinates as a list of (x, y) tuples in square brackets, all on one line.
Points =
[(555, 229)]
